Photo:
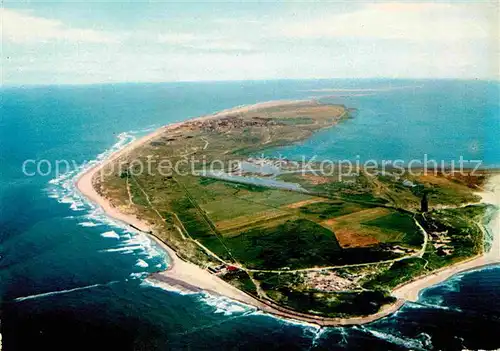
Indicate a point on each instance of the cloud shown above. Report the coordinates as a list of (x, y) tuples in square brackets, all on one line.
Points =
[(177, 38), (405, 21), (205, 43), (424, 40), (21, 27)]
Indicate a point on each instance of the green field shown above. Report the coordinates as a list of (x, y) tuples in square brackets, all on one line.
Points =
[(271, 229), (295, 244), (326, 210), (401, 224)]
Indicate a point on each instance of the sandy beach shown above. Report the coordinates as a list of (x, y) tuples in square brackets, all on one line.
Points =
[(192, 275), (85, 183), (188, 276)]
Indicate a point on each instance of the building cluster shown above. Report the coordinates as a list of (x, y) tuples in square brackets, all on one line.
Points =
[(441, 242), (440, 239), (329, 281), (222, 269), (402, 250), (398, 249), (224, 124)]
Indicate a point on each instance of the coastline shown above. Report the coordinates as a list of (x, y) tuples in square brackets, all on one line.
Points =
[(410, 291), (85, 185), (188, 276)]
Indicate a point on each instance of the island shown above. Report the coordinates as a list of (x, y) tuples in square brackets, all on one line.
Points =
[(333, 247)]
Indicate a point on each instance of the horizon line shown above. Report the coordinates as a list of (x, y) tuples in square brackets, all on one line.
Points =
[(41, 85)]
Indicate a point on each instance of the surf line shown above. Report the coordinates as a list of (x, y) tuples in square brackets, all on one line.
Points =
[(58, 292)]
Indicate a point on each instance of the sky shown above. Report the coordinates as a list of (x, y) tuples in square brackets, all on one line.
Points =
[(117, 41)]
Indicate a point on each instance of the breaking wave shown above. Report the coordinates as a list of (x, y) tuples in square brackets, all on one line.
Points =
[(417, 305), (111, 234), (142, 263), (59, 292), (139, 275), (128, 241), (224, 305), (89, 224), (153, 283), (411, 344), (220, 304), (316, 336)]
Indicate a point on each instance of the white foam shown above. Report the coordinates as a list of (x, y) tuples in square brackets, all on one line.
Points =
[(434, 300), (129, 249), (76, 207), (150, 282), (420, 305), (224, 304), (139, 275), (89, 224), (111, 234), (51, 293), (344, 334), (63, 189), (393, 339), (317, 335), (452, 284), (309, 327), (142, 263)]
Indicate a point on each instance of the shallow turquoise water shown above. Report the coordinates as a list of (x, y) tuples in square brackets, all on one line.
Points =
[(440, 120)]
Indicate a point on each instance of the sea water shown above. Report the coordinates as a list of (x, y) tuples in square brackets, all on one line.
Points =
[(71, 278)]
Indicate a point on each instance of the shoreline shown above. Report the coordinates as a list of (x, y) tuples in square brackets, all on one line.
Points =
[(189, 276), (411, 291), (85, 185)]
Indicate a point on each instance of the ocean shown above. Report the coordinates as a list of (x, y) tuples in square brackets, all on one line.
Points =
[(70, 278)]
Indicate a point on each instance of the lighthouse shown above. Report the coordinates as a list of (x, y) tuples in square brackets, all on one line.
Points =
[(424, 203)]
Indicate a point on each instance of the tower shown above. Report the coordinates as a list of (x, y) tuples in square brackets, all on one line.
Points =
[(424, 203)]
